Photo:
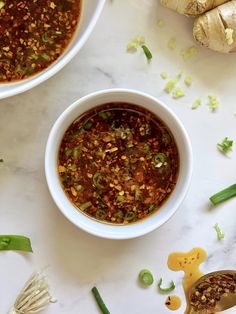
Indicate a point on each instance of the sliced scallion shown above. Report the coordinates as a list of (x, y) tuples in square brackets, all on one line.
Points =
[(105, 115), (46, 56), (220, 234), (147, 52), (223, 195), (130, 216), (100, 301), (87, 125), (97, 180), (15, 243), (166, 290), (146, 277), (85, 206), (100, 214)]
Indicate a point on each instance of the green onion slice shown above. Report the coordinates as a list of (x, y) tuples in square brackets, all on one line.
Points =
[(147, 52), (105, 115), (160, 160), (146, 277), (15, 243), (223, 195), (100, 301), (130, 216), (100, 214), (220, 234), (97, 180), (166, 290), (85, 206)]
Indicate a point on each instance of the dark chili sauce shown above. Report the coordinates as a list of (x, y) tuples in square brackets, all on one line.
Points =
[(118, 163), (33, 34)]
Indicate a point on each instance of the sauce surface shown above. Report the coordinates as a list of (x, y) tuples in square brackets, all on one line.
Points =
[(189, 263), (33, 34), (173, 302), (118, 163)]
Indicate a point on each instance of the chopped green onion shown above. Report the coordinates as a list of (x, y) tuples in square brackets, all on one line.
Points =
[(166, 290), (151, 208), (105, 115), (147, 52), (146, 277), (119, 214), (87, 126), (76, 152), (29, 70), (1, 160), (97, 180), (188, 80), (130, 216), (100, 301), (170, 85), (100, 214), (223, 195), (164, 75), (196, 104), (225, 146), (15, 243), (213, 103), (46, 56), (34, 56), (160, 160), (178, 93), (120, 198), (220, 234), (135, 43), (85, 206)]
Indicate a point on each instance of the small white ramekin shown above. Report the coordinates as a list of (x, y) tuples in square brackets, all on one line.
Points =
[(108, 230), (90, 13)]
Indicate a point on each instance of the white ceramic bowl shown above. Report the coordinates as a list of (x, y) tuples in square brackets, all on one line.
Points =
[(90, 14), (107, 230)]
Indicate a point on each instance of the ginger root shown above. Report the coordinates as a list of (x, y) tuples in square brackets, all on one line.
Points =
[(192, 7), (213, 28)]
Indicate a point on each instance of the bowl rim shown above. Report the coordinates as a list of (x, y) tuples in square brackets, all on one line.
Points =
[(56, 66), (60, 121)]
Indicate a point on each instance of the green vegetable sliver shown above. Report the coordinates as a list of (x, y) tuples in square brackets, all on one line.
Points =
[(146, 277), (147, 52), (84, 206), (100, 301), (166, 290), (223, 195), (15, 243), (220, 234)]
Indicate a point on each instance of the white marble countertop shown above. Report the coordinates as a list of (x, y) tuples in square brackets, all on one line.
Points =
[(74, 260)]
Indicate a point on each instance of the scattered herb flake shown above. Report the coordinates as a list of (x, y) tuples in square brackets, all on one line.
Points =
[(164, 75), (196, 103), (220, 234), (1, 160), (147, 53), (189, 52), (225, 146), (213, 103), (178, 93), (170, 85), (188, 80), (166, 290), (135, 43)]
